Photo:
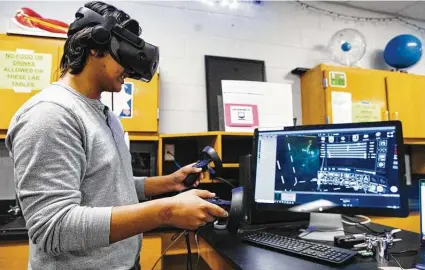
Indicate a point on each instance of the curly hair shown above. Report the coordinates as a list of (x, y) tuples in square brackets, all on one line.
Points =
[(77, 46)]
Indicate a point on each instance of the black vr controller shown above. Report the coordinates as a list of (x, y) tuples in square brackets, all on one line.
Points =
[(233, 207), (208, 155)]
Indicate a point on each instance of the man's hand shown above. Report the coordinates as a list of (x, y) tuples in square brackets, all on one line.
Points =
[(178, 177), (189, 210)]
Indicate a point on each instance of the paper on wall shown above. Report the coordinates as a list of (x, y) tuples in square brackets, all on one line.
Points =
[(365, 111), (24, 70), (341, 107)]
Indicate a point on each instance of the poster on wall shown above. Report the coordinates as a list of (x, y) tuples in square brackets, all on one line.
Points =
[(25, 70), (123, 101), (250, 104), (241, 115), (365, 111), (26, 21), (342, 111)]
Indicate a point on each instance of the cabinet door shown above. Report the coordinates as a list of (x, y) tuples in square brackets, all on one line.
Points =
[(406, 102), (27, 66), (141, 111), (355, 95)]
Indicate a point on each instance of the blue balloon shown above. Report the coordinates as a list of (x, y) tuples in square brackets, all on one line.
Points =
[(346, 46), (403, 51)]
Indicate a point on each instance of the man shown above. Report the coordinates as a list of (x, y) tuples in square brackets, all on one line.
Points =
[(73, 170)]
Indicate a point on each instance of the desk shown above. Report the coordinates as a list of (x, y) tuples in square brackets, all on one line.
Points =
[(221, 250), (240, 255)]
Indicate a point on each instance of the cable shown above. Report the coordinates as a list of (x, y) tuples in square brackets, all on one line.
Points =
[(412, 251), (224, 180), (351, 222), (396, 261), (312, 231), (197, 246), (363, 224), (189, 252), (169, 246)]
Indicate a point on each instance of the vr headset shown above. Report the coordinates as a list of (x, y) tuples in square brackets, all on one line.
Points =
[(139, 58)]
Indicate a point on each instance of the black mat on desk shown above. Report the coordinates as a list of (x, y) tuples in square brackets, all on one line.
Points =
[(245, 256)]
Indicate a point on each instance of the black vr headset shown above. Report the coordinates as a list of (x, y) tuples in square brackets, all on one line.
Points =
[(139, 58)]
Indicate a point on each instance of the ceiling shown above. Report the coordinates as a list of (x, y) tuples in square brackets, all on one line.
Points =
[(409, 9)]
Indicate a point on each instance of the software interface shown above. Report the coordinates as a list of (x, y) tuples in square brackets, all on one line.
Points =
[(349, 167)]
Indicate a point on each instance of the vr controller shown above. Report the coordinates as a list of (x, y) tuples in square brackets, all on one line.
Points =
[(139, 58), (233, 207), (207, 156)]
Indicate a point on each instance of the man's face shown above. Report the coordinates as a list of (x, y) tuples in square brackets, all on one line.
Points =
[(111, 75)]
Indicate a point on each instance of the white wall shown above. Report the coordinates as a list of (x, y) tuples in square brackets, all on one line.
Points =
[(282, 34)]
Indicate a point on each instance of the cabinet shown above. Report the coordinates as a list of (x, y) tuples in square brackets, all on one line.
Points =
[(406, 102), (365, 95), (141, 126), (24, 73), (145, 106), (228, 145)]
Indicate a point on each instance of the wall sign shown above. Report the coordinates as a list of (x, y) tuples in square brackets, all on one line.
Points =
[(24, 71)]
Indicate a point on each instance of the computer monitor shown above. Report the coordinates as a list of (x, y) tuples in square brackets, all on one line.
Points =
[(329, 170), (422, 210)]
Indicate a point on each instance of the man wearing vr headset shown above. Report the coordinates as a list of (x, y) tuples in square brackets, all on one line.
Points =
[(73, 172)]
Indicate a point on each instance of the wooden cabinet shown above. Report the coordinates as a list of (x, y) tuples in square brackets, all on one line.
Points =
[(143, 123), (228, 145), (335, 94), (145, 106), (406, 102), (23, 71)]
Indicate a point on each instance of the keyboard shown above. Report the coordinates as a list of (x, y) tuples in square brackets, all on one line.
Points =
[(316, 251)]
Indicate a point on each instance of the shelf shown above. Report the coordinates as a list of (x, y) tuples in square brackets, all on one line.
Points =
[(230, 165), (143, 136), (208, 133), (414, 141)]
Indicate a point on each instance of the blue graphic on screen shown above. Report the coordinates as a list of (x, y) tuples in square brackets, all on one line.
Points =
[(351, 169)]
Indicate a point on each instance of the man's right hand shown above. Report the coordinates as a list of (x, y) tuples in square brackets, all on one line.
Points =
[(190, 210)]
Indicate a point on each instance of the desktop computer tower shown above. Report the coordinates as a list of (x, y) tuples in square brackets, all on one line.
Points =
[(250, 214)]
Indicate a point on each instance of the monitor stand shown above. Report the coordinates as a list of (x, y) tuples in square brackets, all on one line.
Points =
[(323, 227)]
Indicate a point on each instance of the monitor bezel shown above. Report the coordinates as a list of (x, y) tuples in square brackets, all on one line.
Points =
[(403, 211), (421, 214)]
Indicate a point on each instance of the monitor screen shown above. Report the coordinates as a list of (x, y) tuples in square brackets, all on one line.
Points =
[(353, 166)]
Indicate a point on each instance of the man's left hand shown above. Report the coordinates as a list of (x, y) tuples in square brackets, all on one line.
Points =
[(178, 177)]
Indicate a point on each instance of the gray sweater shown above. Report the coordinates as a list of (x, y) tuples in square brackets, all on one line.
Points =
[(71, 166)]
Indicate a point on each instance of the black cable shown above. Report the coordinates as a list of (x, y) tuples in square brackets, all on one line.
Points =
[(224, 180), (364, 225), (406, 251), (189, 252)]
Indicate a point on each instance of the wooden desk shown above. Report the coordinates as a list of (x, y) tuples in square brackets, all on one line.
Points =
[(411, 223), (15, 255)]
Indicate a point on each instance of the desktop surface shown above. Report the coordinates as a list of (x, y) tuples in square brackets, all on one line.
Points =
[(245, 256)]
